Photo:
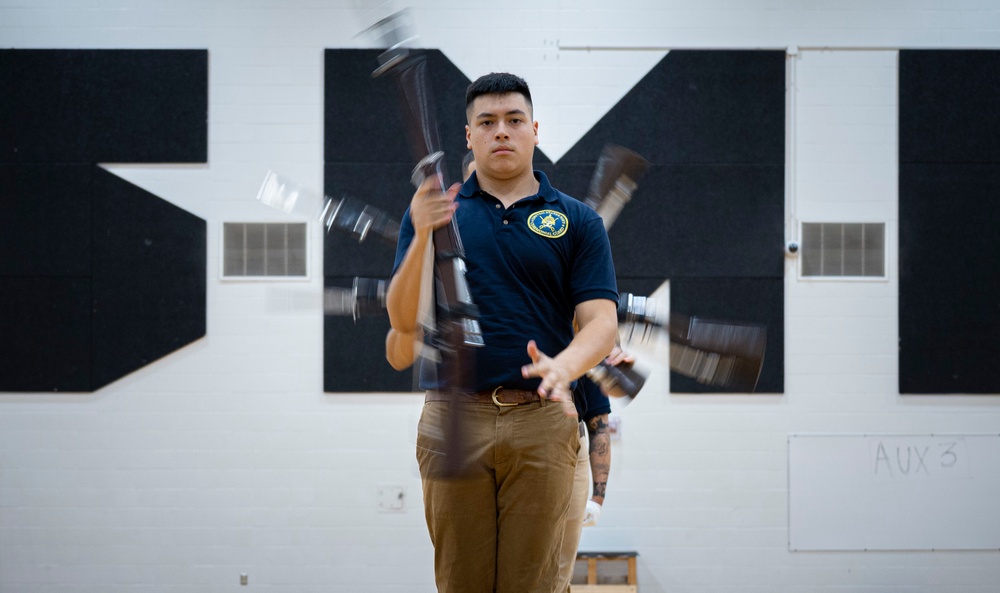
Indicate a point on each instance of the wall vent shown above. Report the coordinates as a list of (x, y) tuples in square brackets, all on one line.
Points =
[(264, 250), (835, 249)]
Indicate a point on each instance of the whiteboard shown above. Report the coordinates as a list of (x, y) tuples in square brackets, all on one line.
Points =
[(893, 492)]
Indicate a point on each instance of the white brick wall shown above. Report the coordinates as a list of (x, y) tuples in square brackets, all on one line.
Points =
[(227, 457)]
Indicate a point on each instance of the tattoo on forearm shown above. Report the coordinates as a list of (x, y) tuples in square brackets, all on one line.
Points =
[(598, 424), (600, 454), (600, 446), (600, 488)]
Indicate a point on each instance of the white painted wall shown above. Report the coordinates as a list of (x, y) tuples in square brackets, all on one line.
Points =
[(227, 457)]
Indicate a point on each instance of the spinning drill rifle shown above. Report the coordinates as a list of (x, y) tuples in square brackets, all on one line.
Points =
[(456, 329)]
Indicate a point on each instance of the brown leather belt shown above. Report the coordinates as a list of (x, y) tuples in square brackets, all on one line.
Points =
[(501, 396)]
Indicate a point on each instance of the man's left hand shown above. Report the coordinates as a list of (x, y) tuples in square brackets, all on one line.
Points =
[(555, 379)]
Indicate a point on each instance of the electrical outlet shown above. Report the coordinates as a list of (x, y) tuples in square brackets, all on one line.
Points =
[(390, 497)]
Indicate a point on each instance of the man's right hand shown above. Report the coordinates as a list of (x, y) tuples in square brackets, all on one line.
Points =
[(431, 208)]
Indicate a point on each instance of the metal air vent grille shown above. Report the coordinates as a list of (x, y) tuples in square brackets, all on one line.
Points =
[(256, 250), (843, 249)]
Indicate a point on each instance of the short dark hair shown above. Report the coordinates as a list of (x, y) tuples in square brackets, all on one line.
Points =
[(496, 83)]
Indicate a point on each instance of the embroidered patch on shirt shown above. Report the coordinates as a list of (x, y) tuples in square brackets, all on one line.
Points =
[(548, 223)]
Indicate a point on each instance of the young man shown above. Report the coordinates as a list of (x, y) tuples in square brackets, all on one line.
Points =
[(535, 258)]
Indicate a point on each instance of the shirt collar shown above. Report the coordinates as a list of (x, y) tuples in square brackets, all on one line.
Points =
[(545, 191)]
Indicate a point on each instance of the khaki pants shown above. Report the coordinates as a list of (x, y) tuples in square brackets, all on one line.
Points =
[(574, 518), (499, 529)]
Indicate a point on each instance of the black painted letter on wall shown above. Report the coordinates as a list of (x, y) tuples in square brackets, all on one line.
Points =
[(99, 277)]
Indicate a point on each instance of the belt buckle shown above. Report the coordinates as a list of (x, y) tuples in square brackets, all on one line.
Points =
[(498, 402)]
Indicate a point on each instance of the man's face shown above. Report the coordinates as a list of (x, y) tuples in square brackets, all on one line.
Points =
[(501, 135)]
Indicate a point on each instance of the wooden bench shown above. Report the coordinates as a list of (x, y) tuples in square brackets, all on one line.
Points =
[(592, 586)]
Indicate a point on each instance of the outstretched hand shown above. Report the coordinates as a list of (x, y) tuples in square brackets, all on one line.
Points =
[(555, 379)]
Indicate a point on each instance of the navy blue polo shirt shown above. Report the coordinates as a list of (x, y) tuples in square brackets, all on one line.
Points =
[(590, 400), (527, 267)]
